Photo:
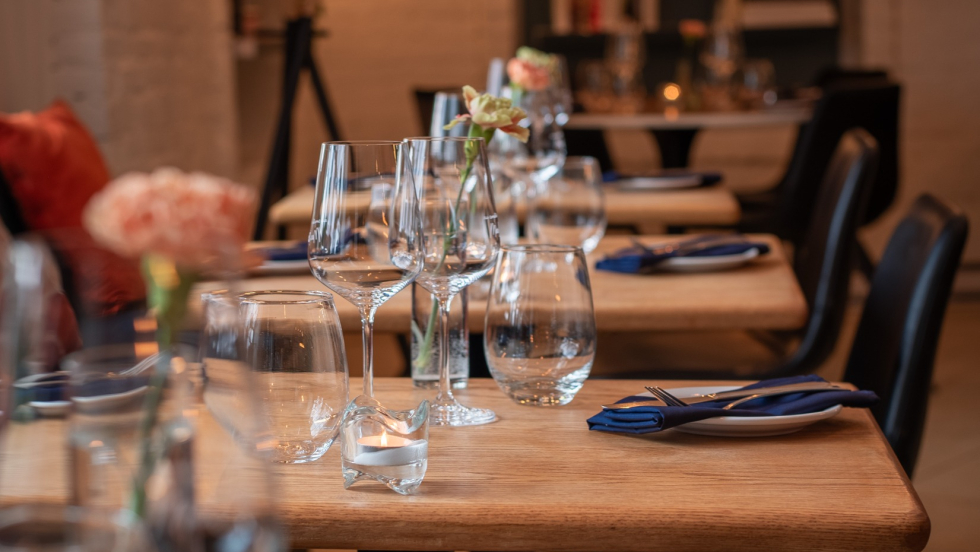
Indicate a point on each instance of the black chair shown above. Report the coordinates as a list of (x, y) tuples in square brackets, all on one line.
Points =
[(582, 142), (869, 103), (424, 102), (896, 340), (10, 214), (836, 76), (822, 261)]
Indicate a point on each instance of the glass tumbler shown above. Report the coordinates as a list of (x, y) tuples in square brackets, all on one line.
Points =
[(294, 347), (540, 334)]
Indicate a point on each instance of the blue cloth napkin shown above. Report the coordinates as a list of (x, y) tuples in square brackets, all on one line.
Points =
[(707, 178), (657, 417), (636, 260), (295, 252)]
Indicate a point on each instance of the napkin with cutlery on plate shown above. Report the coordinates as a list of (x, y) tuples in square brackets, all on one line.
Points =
[(640, 259), (657, 417)]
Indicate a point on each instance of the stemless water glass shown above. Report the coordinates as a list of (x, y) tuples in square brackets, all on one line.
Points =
[(365, 250), (461, 242), (540, 333), (294, 346), (445, 107), (569, 208)]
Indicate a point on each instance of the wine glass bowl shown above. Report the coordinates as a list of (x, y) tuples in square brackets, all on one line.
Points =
[(569, 208), (364, 242)]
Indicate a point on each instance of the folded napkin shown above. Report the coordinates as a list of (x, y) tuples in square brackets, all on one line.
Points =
[(640, 260), (656, 417), (295, 252)]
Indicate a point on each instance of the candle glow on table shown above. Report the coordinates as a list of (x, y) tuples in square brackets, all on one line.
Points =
[(389, 450), (387, 446)]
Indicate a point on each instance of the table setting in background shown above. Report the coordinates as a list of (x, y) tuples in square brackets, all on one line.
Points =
[(245, 434)]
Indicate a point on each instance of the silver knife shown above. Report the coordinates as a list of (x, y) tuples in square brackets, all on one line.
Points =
[(810, 386)]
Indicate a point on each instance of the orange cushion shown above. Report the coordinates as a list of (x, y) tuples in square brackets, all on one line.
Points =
[(54, 167)]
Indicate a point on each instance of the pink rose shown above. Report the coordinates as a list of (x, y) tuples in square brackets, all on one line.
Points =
[(527, 75), (192, 219)]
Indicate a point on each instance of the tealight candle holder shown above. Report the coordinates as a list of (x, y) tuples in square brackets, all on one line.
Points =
[(388, 446)]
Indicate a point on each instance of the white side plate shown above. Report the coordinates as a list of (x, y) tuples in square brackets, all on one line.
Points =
[(647, 183), (103, 403), (708, 263), (281, 267), (737, 426), (51, 409)]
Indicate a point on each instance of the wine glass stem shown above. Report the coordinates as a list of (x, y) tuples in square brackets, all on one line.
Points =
[(445, 395), (367, 344)]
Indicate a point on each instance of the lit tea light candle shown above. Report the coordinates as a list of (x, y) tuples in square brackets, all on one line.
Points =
[(389, 450)]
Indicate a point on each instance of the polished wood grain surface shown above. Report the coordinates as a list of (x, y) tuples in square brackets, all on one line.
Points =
[(699, 206), (761, 295), (537, 479), (661, 121)]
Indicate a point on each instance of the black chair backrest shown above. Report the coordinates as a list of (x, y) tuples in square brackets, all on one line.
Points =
[(871, 104), (836, 76), (895, 344), (424, 102), (822, 262), (10, 213)]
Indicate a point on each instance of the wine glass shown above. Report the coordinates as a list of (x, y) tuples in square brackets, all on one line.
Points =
[(365, 242), (445, 107), (461, 242), (570, 209)]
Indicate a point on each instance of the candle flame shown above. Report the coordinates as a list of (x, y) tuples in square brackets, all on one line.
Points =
[(384, 438)]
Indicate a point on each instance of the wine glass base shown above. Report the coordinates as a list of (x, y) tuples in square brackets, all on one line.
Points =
[(457, 415)]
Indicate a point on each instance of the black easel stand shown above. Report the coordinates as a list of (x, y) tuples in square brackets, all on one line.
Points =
[(299, 56)]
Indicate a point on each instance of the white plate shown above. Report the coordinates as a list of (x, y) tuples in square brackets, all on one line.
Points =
[(738, 426), (281, 267), (51, 409), (103, 403), (708, 263), (645, 183)]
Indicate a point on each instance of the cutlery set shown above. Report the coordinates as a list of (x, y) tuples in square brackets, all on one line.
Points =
[(738, 396)]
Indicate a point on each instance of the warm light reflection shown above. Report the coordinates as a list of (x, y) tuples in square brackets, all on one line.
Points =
[(672, 92), (142, 325), (145, 349)]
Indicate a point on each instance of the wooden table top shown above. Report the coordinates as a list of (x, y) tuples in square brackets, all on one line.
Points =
[(537, 479), (762, 295), (709, 206), (688, 121)]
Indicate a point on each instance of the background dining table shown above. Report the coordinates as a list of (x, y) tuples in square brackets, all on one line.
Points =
[(675, 132), (648, 211), (761, 295), (538, 479)]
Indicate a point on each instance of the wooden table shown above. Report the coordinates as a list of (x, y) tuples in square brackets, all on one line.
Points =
[(537, 479), (761, 295), (711, 206), (675, 132)]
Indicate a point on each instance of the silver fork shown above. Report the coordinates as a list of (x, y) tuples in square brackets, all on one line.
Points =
[(671, 400), (666, 397)]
